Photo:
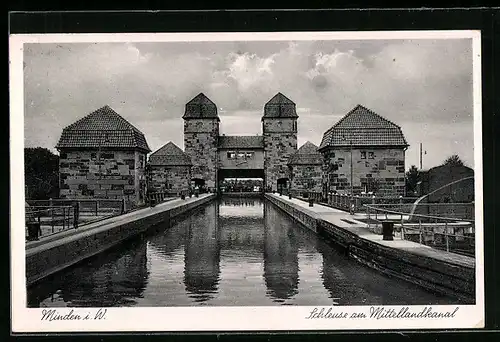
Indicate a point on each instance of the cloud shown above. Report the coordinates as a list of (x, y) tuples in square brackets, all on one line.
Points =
[(419, 84)]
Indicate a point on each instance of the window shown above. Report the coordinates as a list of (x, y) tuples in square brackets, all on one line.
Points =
[(363, 155), (249, 155), (241, 154), (231, 155), (371, 155), (107, 155)]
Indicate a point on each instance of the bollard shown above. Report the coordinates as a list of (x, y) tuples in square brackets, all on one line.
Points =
[(387, 230), (33, 230)]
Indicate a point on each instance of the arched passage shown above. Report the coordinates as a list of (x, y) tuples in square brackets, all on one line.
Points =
[(282, 184), (198, 182)]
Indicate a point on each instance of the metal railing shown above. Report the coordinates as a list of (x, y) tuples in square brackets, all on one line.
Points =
[(47, 217), (452, 234), (463, 211), (343, 201), (305, 194), (156, 197), (46, 220), (95, 207)]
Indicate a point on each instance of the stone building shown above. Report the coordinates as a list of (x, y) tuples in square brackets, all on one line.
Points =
[(216, 157), (279, 129), (367, 148), (169, 170), (201, 134), (306, 169), (102, 156), (241, 156)]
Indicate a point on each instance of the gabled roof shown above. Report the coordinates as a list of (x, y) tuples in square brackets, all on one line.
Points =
[(103, 128), (169, 155), (307, 154), (200, 107), (235, 142), (363, 127), (280, 106)]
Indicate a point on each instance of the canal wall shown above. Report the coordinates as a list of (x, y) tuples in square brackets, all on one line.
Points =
[(424, 267), (44, 259)]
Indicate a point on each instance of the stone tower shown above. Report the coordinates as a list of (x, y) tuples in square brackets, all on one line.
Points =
[(201, 133), (279, 128)]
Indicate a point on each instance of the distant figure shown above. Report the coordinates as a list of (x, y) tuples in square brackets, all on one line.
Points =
[(196, 191), (351, 209)]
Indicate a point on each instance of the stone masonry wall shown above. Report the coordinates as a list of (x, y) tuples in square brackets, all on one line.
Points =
[(280, 141), (171, 179), (200, 143), (303, 174), (381, 172), (116, 175)]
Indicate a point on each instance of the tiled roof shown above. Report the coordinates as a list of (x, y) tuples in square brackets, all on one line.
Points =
[(232, 141), (307, 154), (169, 155), (280, 106), (200, 107), (102, 128), (363, 127)]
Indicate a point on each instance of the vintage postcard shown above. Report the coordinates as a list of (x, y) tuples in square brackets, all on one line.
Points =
[(295, 181)]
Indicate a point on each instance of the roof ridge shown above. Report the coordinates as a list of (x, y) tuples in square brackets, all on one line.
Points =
[(353, 110), (380, 116), (170, 143), (106, 109), (277, 95), (201, 95), (363, 123)]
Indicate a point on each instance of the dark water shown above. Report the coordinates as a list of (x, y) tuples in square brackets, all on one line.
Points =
[(234, 252)]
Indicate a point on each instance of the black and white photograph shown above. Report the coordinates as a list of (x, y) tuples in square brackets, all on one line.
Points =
[(246, 181)]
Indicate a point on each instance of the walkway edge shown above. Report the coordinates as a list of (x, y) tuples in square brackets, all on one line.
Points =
[(54, 256), (446, 277)]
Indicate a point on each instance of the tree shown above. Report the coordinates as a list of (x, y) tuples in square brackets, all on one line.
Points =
[(41, 172), (453, 160), (412, 179)]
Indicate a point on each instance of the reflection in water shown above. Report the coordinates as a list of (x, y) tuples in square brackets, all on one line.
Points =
[(202, 255), (281, 263), (235, 251), (114, 278), (240, 221)]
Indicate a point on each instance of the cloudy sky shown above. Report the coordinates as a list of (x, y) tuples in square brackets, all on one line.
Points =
[(425, 86)]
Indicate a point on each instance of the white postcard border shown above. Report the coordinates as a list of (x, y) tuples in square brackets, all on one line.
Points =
[(224, 318)]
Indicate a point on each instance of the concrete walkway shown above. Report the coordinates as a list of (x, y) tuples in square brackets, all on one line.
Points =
[(336, 217), (105, 223)]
